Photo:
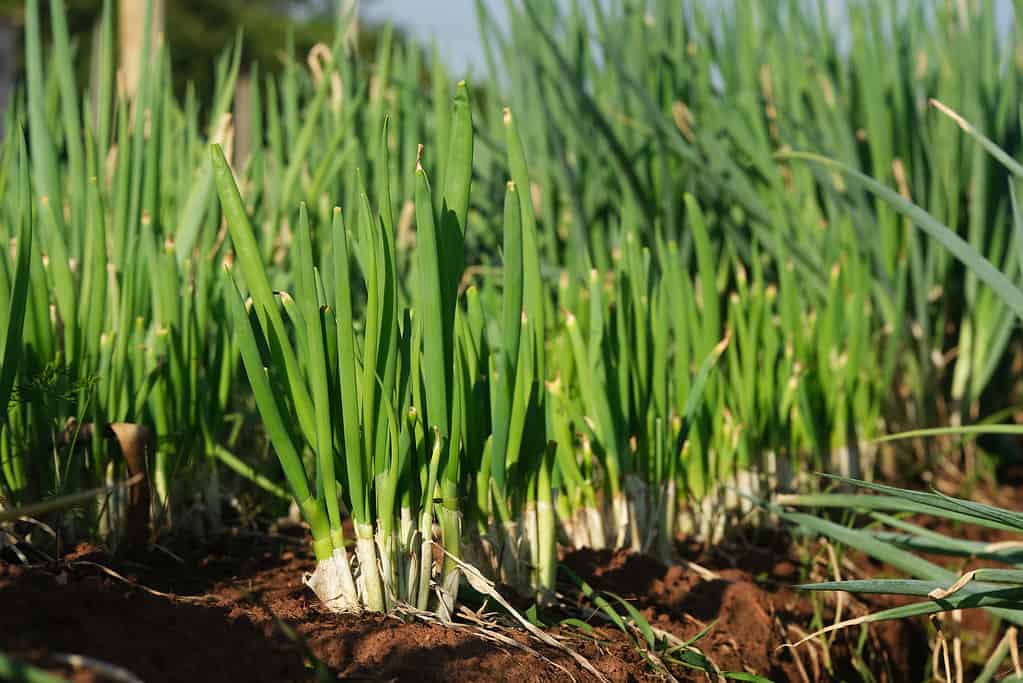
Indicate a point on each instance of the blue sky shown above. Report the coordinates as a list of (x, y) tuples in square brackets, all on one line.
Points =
[(453, 23)]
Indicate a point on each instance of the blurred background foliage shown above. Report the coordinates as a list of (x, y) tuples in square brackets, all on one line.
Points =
[(199, 30)]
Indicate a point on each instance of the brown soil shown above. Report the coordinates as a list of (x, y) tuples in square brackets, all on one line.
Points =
[(239, 612), (753, 613)]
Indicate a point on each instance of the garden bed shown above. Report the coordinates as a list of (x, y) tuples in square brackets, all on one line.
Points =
[(237, 610)]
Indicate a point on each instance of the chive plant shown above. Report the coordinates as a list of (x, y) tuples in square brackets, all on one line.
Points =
[(382, 410), (513, 487), (639, 364)]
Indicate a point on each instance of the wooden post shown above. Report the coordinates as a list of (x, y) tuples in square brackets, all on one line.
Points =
[(7, 61), (137, 445), (242, 119), (131, 34), (350, 8)]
